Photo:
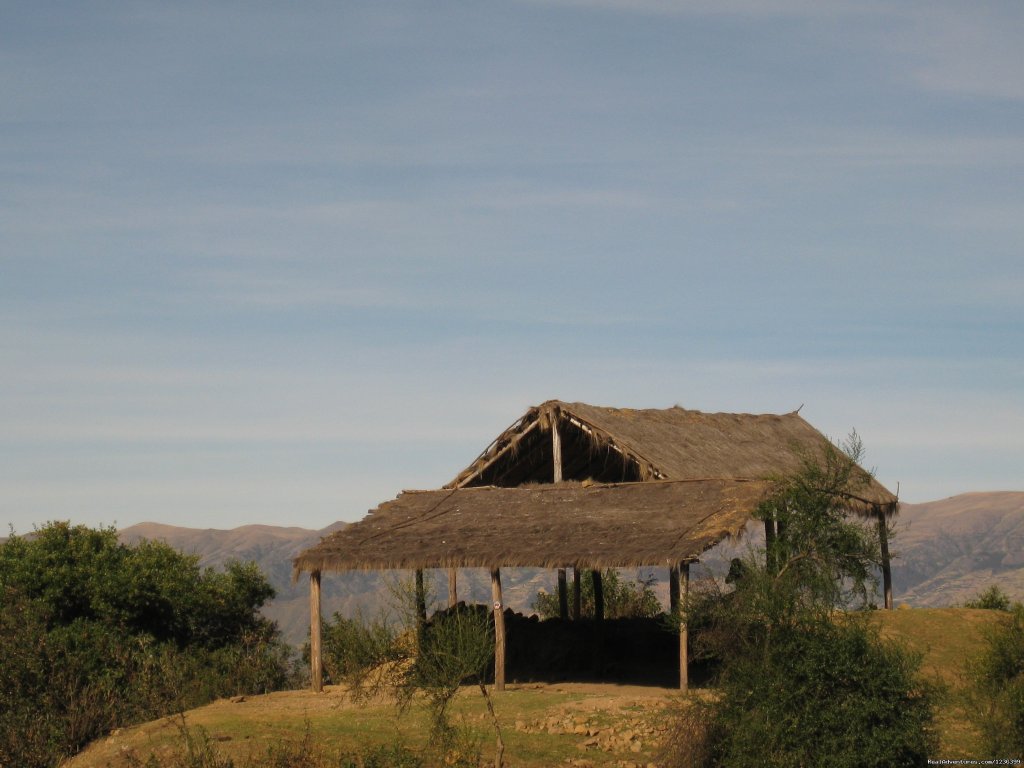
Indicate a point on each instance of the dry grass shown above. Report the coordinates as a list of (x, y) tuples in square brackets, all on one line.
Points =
[(948, 639), (538, 724)]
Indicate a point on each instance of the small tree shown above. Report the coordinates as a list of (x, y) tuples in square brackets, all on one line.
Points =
[(826, 557), (801, 685), (436, 658)]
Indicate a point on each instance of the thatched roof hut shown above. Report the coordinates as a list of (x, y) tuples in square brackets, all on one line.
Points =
[(571, 485)]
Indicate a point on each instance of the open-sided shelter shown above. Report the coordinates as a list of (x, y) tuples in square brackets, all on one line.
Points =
[(571, 485)]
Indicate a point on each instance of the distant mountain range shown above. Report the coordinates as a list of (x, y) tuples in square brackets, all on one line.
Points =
[(368, 592), (950, 550), (946, 552)]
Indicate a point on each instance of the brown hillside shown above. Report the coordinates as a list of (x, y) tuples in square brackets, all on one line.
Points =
[(950, 550)]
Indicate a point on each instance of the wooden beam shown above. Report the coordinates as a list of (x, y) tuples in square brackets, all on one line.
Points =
[(316, 665), (510, 446), (769, 544), (598, 595), (883, 539), (683, 585), (673, 590), (577, 595), (563, 597), (556, 450), (421, 608), (453, 587), (499, 631)]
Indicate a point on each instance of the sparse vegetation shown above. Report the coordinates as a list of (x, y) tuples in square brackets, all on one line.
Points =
[(434, 659), (97, 634), (195, 748), (623, 598), (999, 676)]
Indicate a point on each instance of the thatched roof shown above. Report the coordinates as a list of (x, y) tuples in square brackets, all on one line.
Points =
[(625, 444), (556, 525), (643, 487)]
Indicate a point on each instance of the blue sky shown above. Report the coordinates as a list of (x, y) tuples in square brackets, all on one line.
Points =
[(272, 263)]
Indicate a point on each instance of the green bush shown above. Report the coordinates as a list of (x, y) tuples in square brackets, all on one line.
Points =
[(97, 634), (824, 695), (993, 599)]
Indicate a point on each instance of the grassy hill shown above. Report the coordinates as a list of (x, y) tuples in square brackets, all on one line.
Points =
[(543, 724)]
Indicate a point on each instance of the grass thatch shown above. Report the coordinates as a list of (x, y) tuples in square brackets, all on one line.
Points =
[(624, 444), (564, 525)]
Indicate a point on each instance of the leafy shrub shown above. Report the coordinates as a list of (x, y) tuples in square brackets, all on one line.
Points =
[(824, 695), (993, 599), (623, 598), (97, 634)]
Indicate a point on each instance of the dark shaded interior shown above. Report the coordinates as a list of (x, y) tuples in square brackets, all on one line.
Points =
[(583, 458), (634, 651)]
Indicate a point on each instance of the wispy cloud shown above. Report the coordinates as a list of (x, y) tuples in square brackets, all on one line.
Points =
[(751, 8), (971, 50)]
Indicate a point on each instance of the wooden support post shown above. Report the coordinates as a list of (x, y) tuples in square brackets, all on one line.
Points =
[(577, 595), (421, 608), (673, 590), (316, 675), (883, 538), (453, 589), (556, 450), (769, 544), (684, 634), (598, 595), (499, 631), (563, 597), (556, 477)]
